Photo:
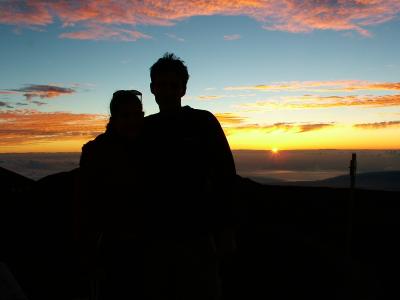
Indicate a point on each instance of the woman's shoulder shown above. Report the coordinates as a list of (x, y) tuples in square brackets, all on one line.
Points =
[(94, 149), (100, 141)]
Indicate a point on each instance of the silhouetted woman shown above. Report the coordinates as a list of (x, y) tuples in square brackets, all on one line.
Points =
[(109, 198), (123, 128)]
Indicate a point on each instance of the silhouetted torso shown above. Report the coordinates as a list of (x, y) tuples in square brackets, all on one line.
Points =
[(112, 173), (190, 165)]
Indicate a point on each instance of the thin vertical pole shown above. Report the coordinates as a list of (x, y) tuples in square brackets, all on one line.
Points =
[(348, 259), (353, 168)]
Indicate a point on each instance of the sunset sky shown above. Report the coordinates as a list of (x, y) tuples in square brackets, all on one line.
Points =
[(278, 74)]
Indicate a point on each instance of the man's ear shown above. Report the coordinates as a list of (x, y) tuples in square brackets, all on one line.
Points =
[(151, 88)]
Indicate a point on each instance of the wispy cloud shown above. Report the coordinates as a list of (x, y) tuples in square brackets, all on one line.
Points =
[(40, 91), (318, 102), (228, 119), (296, 127), (232, 37), (5, 104), (210, 97), (312, 127), (282, 126), (234, 123), (175, 37), (39, 103), (290, 15), (5, 92), (100, 32), (378, 125), (32, 126), (322, 86), (216, 97)]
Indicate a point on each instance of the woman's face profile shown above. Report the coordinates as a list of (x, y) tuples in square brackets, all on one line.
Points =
[(128, 120)]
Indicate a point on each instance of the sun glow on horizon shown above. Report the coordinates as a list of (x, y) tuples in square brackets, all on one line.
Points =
[(304, 87)]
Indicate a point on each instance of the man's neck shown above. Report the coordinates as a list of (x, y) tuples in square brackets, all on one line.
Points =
[(170, 110)]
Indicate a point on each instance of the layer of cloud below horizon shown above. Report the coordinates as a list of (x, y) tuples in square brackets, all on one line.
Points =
[(248, 162)]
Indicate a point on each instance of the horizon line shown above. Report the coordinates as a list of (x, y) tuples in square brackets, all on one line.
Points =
[(233, 150)]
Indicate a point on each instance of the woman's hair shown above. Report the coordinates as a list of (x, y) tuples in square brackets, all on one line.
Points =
[(121, 97)]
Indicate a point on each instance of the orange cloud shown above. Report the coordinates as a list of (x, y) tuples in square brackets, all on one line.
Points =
[(20, 127), (378, 125), (312, 127), (316, 102), (216, 97), (323, 86), (25, 13), (269, 128), (211, 97), (290, 15), (234, 123), (227, 119), (297, 127), (380, 86)]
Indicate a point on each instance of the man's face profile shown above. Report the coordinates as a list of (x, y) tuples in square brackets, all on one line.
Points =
[(168, 89)]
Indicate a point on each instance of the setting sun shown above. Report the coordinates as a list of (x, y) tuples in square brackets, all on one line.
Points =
[(303, 87)]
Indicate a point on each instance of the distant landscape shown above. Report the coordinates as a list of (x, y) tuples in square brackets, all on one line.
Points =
[(376, 169)]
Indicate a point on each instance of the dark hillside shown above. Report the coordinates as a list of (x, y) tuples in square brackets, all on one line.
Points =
[(292, 242), (388, 181), (12, 182)]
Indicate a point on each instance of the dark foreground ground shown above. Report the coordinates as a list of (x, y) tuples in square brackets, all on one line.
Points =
[(293, 242)]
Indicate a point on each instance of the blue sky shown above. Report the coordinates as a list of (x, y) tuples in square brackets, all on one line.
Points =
[(229, 50)]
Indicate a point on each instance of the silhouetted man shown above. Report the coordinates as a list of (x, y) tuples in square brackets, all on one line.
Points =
[(192, 170)]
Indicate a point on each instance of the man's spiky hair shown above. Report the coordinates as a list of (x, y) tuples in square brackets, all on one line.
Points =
[(170, 63)]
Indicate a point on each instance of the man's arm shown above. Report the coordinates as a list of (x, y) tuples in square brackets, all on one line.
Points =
[(225, 176), (220, 152)]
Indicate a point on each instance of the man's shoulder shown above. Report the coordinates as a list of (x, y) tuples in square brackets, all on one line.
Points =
[(152, 116), (152, 122), (188, 115), (198, 113), (150, 119)]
